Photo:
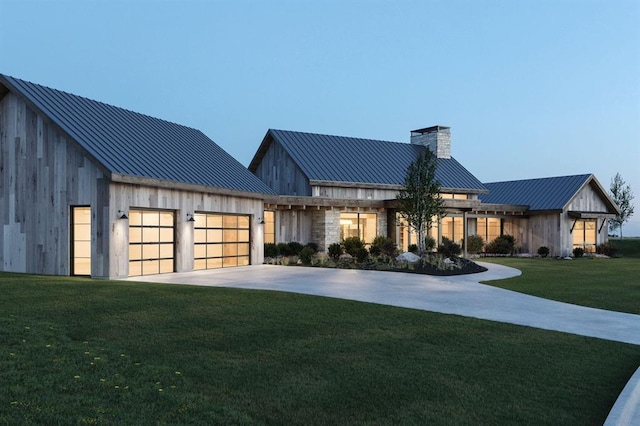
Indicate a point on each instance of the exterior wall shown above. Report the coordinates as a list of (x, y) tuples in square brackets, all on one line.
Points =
[(278, 170), (126, 196), (587, 200), (41, 176), (326, 228), (293, 225)]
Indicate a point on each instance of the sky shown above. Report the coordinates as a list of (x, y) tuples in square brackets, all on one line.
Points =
[(530, 88)]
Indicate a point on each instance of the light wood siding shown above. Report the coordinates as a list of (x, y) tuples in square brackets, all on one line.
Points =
[(42, 176), (586, 200), (278, 170), (293, 225), (126, 196)]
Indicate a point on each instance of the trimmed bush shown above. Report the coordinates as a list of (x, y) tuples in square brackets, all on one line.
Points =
[(475, 243), (270, 250), (429, 243), (361, 254), (352, 244), (543, 251), (295, 248), (608, 249), (375, 250), (306, 254), (334, 251), (504, 244), (413, 248), (283, 249), (313, 246), (448, 248), (578, 252)]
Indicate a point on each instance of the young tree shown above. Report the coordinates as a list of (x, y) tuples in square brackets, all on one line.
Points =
[(623, 197), (419, 202)]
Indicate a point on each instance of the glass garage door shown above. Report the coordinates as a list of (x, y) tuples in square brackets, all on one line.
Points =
[(221, 240), (151, 242)]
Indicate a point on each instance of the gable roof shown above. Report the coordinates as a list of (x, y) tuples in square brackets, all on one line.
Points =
[(126, 143), (542, 194), (326, 158)]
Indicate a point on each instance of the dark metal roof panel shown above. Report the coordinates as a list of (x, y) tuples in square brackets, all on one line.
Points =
[(355, 160), (551, 193), (129, 143)]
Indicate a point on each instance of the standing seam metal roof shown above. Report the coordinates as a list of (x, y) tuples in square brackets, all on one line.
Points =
[(355, 160), (129, 143), (552, 193)]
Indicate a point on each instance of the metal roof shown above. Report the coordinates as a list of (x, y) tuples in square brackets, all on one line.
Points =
[(354, 160), (552, 193), (133, 144)]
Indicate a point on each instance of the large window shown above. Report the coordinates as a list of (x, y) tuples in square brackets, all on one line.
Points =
[(81, 241), (269, 227), (584, 235), (489, 228), (151, 242), (221, 240), (409, 236), (452, 228), (363, 225)]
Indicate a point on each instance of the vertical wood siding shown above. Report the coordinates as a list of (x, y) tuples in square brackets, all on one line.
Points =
[(41, 176), (278, 170)]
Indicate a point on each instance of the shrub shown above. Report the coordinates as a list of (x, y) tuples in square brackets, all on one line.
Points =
[(313, 246), (504, 244), (413, 248), (361, 254), (543, 251), (283, 249), (334, 251), (429, 243), (352, 244), (578, 252), (375, 250), (449, 248), (306, 254), (389, 247), (475, 244), (270, 250), (608, 249), (294, 248)]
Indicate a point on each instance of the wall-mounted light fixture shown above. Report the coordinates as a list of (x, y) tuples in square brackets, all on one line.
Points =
[(190, 218), (261, 221), (122, 215)]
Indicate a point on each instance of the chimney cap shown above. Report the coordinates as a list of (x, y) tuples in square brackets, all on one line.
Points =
[(432, 129)]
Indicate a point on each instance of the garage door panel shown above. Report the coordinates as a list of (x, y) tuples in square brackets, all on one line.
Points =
[(226, 238), (151, 242)]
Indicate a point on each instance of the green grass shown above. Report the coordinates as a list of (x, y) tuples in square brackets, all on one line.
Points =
[(612, 284), (76, 351)]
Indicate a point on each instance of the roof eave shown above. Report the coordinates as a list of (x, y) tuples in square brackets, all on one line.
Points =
[(155, 182), (262, 150)]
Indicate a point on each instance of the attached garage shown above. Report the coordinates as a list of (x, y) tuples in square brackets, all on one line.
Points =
[(88, 188)]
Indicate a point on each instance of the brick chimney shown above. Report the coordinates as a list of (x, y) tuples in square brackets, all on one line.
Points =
[(436, 138)]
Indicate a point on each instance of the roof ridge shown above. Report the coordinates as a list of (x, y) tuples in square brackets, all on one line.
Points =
[(338, 136), (540, 178)]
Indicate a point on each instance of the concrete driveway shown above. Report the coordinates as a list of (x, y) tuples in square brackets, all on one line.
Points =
[(459, 295)]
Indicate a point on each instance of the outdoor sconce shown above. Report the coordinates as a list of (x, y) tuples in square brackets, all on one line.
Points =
[(190, 218), (122, 215), (261, 221)]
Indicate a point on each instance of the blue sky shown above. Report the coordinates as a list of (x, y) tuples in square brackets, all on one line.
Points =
[(529, 88)]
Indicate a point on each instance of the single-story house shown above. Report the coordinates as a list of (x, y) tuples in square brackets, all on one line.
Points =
[(333, 187), (88, 188)]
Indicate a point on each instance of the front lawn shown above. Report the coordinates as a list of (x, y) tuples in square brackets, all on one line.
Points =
[(612, 284), (83, 351)]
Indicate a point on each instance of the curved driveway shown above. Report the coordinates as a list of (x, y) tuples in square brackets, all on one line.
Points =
[(459, 295)]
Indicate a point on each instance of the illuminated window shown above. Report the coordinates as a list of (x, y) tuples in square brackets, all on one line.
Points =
[(81, 241), (489, 228), (221, 240), (409, 236), (269, 227), (362, 225), (584, 235), (151, 242), (452, 228)]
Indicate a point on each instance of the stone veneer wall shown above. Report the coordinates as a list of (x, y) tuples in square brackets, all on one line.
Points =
[(325, 229), (438, 141)]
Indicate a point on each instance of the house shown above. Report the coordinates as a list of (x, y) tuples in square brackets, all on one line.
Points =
[(88, 188), (333, 187)]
